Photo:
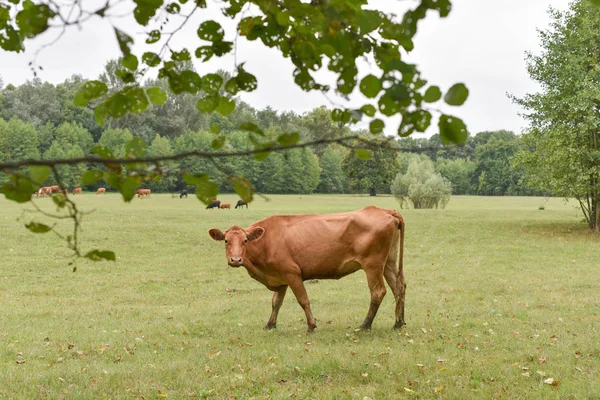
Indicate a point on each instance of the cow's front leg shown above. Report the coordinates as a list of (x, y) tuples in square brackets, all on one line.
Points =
[(278, 296), (295, 283)]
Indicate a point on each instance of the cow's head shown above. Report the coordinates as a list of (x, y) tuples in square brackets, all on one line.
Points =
[(236, 239)]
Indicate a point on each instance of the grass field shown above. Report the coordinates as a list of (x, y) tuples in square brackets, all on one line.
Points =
[(501, 298)]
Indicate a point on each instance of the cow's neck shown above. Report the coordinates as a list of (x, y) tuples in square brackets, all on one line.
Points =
[(255, 272)]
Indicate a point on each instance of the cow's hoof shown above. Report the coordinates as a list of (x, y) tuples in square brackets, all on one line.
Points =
[(399, 325), (363, 328), (269, 327)]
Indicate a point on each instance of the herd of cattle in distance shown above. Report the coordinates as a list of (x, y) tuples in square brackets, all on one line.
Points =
[(49, 190)]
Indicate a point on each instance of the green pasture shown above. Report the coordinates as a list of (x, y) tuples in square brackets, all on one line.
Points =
[(503, 301)]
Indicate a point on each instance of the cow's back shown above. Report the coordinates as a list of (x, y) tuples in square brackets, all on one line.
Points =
[(323, 246)]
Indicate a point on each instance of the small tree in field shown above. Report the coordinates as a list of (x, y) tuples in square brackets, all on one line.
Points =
[(421, 185)]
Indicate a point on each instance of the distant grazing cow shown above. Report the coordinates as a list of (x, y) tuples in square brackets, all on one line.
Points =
[(214, 204), (43, 191), (63, 191), (143, 192), (54, 188), (77, 190), (241, 203), (285, 250), (101, 190), (223, 206), (183, 193)]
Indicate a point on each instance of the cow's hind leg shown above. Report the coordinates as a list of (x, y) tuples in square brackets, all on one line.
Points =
[(377, 288), (395, 279), (278, 296)]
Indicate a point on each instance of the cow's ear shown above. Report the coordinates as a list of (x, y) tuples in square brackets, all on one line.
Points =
[(255, 233), (216, 234)]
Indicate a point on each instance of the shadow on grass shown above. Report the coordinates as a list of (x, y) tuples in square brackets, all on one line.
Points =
[(549, 228)]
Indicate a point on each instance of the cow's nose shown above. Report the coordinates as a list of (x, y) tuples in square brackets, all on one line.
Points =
[(235, 260)]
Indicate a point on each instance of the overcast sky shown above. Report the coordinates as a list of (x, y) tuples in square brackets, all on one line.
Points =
[(482, 44)]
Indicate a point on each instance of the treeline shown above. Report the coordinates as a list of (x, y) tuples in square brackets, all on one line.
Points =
[(39, 121)]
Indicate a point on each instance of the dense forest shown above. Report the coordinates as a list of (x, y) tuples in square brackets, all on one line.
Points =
[(38, 120)]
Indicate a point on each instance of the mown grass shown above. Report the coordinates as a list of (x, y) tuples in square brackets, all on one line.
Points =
[(501, 296)]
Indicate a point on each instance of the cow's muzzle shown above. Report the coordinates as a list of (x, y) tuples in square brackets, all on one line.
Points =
[(235, 261)]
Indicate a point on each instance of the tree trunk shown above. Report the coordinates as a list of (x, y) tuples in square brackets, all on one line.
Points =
[(596, 206), (372, 192)]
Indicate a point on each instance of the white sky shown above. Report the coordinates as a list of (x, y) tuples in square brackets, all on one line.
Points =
[(482, 44)]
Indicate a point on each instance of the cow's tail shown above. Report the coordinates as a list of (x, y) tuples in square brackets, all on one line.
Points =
[(400, 261)]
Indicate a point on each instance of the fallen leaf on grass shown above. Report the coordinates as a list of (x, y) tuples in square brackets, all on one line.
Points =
[(408, 390), (551, 382), (439, 388), (213, 355), (541, 360), (364, 374), (20, 361), (80, 352), (70, 346), (441, 360)]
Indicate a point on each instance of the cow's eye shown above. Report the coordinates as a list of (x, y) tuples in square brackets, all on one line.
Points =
[(245, 241), (226, 241)]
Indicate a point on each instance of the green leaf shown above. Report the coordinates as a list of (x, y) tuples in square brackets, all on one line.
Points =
[(242, 187), (33, 19), (39, 173), (369, 110), (151, 59), (173, 8), (370, 86), (89, 91), (218, 142), (194, 179), (211, 83), (204, 53), (102, 151), (211, 31), (376, 126), (157, 96), (452, 130), (97, 255), (215, 128), (363, 154), (125, 41), (135, 99), (369, 20), (153, 36), (136, 148), (595, 2), (145, 10), (206, 191), (128, 186), (91, 177), (18, 189), (36, 227), (457, 95), (226, 106), (130, 62), (208, 104), (125, 75), (251, 127), (245, 81), (288, 139), (183, 55), (432, 94), (60, 200)]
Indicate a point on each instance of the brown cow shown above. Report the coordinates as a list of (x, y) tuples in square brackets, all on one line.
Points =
[(285, 250), (44, 190), (77, 190), (54, 188), (143, 192), (101, 190), (228, 206)]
